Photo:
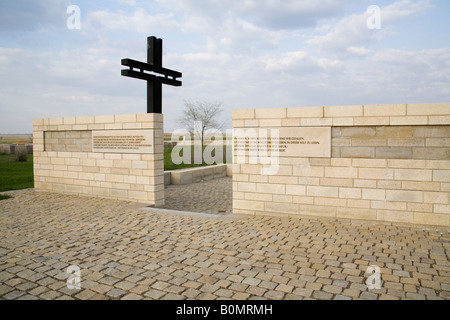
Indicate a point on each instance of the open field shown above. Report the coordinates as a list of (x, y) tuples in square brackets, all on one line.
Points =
[(16, 138), (15, 175)]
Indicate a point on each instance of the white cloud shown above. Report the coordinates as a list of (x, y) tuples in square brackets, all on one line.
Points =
[(31, 15), (352, 32), (139, 21), (300, 63), (268, 14), (130, 3), (358, 51)]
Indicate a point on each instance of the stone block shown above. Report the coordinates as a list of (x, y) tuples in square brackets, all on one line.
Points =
[(265, 123), (283, 180), (318, 191), (343, 111), (374, 194), (369, 163), (350, 193), (394, 153), (330, 202), (356, 213), (406, 163), (357, 152), (290, 122), (84, 120), (248, 205), (343, 122), (436, 197), (264, 197), (308, 171), (444, 209), (376, 173), (55, 121), (438, 120), (69, 121), (371, 121), (316, 122), (432, 132), (243, 114), (297, 190), (285, 208), (312, 210), (124, 118), (437, 142), (238, 123), (341, 172), (356, 203), (413, 174), (441, 175), (410, 120), (419, 207), (404, 196), (271, 188), (395, 216), (246, 187), (251, 123), (341, 142), (372, 142), (385, 110), (305, 112), (431, 153), (428, 109), (418, 185), (406, 142), (275, 113), (359, 132), (431, 219), (335, 182)]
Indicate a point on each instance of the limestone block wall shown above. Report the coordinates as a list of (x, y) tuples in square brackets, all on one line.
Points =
[(388, 163), (64, 160)]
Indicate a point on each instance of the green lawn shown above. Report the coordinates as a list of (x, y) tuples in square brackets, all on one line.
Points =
[(169, 165), (15, 175)]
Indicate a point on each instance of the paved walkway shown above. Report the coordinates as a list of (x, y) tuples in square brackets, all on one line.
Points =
[(215, 197), (124, 252)]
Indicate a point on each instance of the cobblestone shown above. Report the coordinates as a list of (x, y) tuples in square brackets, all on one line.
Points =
[(126, 252)]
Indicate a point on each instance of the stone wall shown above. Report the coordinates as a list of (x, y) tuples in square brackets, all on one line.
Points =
[(388, 163), (64, 160)]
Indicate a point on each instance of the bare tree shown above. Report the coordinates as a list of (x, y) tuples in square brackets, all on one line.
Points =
[(200, 116)]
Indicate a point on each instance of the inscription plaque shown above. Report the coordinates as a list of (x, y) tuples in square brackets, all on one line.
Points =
[(123, 141), (302, 142)]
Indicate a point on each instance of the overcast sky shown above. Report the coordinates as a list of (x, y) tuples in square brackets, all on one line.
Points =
[(244, 53)]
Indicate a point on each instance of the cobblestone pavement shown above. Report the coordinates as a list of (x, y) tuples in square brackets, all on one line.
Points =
[(215, 196), (124, 252)]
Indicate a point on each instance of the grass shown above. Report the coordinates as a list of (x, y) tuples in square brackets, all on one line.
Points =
[(169, 165), (16, 141), (15, 175), (4, 197)]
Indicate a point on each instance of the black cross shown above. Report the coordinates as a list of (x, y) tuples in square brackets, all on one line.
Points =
[(154, 83)]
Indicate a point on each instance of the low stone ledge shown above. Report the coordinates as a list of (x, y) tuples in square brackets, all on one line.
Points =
[(194, 175), (11, 148)]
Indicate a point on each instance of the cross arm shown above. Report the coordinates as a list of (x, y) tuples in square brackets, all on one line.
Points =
[(149, 67), (150, 77)]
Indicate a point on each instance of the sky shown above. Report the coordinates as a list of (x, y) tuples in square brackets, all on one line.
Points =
[(243, 53)]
